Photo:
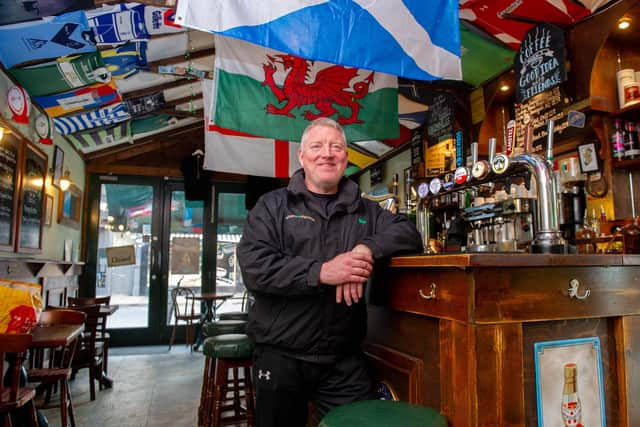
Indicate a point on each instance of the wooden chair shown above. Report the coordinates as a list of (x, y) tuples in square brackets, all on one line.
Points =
[(52, 366), (102, 335), (184, 310), (89, 353), (15, 396)]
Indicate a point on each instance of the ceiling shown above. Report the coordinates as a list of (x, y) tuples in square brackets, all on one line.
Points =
[(177, 61)]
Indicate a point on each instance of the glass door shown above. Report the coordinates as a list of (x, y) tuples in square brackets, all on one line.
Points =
[(124, 252)]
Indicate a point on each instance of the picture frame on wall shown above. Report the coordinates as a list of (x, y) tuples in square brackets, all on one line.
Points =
[(69, 205), (58, 166), (588, 155), (10, 164), (569, 384), (48, 210), (32, 194)]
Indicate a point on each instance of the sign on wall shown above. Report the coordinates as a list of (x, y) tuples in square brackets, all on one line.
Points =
[(540, 61)]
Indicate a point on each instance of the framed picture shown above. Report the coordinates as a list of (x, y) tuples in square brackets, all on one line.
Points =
[(588, 156), (58, 166), (569, 386), (69, 205), (48, 210), (10, 164), (32, 194)]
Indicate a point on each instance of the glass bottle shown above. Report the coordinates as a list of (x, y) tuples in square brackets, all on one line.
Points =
[(571, 406), (617, 140), (630, 141)]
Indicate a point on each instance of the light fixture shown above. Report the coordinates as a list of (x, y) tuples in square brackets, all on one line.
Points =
[(1, 133), (65, 181), (505, 87), (624, 23)]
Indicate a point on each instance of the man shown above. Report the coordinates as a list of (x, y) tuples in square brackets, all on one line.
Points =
[(305, 254)]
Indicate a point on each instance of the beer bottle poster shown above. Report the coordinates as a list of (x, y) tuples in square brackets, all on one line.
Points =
[(540, 61)]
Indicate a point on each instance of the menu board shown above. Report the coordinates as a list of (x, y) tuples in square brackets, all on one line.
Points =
[(440, 117), (9, 155), (34, 173), (538, 110)]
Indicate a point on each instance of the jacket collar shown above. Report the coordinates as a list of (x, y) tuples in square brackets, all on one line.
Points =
[(348, 193)]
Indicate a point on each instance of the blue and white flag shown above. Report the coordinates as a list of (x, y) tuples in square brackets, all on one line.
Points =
[(104, 116), (51, 37), (410, 38)]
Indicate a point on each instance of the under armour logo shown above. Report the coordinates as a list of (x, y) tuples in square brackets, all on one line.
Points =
[(264, 375)]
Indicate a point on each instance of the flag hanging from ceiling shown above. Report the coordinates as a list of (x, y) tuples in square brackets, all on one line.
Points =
[(236, 152), (126, 60), (84, 98), (62, 74), (266, 93), (97, 139), (104, 116), (410, 38), (67, 34)]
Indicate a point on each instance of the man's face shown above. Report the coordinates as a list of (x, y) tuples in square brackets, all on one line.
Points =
[(324, 159)]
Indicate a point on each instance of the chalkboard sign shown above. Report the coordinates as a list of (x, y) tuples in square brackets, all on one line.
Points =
[(417, 149), (375, 174), (539, 62), (552, 104), (440, 117), (9, 165), (34, 173)]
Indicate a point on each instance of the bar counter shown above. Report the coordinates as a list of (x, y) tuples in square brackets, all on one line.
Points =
[(456, 332)]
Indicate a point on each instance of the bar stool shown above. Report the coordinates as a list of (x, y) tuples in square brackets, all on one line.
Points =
[(382, 413), (225, 353)]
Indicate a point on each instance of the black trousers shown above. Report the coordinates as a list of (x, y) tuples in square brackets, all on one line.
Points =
[(285, 385)]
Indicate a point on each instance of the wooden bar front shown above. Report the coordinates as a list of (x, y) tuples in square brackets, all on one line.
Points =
[(463, 328)]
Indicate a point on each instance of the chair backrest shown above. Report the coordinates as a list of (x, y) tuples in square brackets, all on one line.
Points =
[(88, 339), (17, 344), (61, 316), (83, 301), (183, 302)]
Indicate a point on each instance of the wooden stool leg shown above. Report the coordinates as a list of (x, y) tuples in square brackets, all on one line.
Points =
[(72, 417), (203, 391), (219, 390), (248, 395)]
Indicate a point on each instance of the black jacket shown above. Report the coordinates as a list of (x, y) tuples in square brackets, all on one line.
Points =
[(284, 244)]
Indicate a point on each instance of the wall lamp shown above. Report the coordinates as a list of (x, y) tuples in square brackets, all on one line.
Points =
[(65, 181)]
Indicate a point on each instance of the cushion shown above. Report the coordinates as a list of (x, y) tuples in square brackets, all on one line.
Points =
[(382, 413)]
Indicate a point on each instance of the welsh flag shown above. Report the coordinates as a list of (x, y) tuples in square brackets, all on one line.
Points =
[(264, 92), (237, 152)]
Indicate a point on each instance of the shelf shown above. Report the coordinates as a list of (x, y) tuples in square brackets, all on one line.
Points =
[(629, 112), (630, 164)]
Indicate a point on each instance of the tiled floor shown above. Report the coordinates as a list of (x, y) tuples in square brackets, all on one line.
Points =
[(156, 389)]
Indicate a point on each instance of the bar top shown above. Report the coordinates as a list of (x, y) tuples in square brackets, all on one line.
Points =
[(514, 260)]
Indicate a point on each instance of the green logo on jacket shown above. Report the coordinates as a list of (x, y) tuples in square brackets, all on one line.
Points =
[(362, 220)]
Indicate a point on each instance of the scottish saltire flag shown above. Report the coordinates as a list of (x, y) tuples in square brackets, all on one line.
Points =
[(266, 93), (126, 60), (236, 152), (84, 98), (104, 116), (51, 37), (62, 74), (416, 39)]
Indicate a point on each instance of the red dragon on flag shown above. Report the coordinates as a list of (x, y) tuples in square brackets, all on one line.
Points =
[(331, 86)]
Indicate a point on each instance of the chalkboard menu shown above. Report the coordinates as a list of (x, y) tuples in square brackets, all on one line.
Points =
[(539, 62), (9, 156), (552, 104), (440, 117), (34, 173)]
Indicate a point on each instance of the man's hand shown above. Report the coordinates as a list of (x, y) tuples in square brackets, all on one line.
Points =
[(349, 267), (348, 272)]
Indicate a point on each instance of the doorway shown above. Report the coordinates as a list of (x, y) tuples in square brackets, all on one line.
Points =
[(144, 239)]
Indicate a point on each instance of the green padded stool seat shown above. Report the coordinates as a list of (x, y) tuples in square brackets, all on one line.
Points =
[(382, 413), (228, 346), (234, 315), (224, 327)]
